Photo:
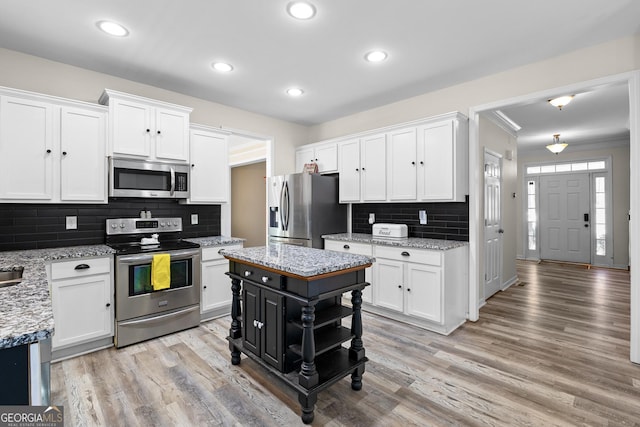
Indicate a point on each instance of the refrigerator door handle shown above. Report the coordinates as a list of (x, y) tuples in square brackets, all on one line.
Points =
[(284, 206)]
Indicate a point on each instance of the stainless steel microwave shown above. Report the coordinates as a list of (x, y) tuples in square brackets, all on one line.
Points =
[(139, 178)]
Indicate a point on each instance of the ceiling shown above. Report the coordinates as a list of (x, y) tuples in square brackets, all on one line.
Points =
[(431, 44)]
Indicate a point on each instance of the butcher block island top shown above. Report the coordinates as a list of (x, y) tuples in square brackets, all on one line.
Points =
[(286, 315)]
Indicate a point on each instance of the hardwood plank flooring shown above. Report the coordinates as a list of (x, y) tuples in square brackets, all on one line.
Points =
[(552, 350)]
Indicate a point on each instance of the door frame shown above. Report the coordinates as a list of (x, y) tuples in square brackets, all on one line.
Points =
[(476, 186)]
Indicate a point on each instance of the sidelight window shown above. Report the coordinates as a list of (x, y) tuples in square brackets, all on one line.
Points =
[(601, 216), (531, 215)]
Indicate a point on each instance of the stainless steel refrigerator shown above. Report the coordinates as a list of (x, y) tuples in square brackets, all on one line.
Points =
[(303, 207)]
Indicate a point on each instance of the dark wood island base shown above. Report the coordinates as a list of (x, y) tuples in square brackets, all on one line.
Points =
[(292, 326)]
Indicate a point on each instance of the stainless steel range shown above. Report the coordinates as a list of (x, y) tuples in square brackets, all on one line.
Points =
[(142, 312)]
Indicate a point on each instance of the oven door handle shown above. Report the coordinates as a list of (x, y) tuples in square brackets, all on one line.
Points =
[(175, 255), (156, 318)]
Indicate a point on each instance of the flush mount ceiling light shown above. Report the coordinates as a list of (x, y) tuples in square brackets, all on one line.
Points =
[(557, 146), (294, 91), (112, 28), (561, 101), (301, 10), (376, 56), (223, 67)]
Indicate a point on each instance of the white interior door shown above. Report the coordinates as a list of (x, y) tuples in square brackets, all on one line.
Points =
[(564, 218), (492, 225)]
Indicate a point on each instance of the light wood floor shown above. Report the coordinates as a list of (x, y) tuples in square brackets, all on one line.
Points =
[(552, 351)]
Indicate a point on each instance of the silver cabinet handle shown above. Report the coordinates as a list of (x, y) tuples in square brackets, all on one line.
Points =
[(265, 279), (173, 179), (260, 325), (247, 273), (255, 323)]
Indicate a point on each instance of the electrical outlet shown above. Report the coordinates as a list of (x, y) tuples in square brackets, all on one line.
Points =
[(194, 219), (423, 217), (372, 218), (72, 223)]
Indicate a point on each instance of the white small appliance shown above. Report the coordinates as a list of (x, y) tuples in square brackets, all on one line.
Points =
[(390, 231)]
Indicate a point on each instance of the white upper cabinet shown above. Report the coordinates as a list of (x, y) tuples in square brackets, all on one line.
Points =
[(26, 149), (443, 161), (83, 137), (324, 155), (209, 175), (401, 158), (362, 169), (146, 128), (51, 149)]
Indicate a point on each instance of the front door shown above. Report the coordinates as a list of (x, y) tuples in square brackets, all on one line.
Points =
[(492, 225), (564, 218)]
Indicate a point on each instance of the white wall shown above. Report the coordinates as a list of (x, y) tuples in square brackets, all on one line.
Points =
[(620, 202), (26, 72)]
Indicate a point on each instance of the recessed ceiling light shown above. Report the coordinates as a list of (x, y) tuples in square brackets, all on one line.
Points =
[(113, 28), (294, 91), (223, 67), (301, 10), (376, 56)]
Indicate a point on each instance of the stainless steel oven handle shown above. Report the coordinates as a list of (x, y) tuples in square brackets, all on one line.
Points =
[(175, 255), (156, 318)]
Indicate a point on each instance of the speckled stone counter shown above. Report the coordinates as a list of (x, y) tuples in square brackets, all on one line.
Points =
[(411, 242), (305, 262), (215, 240), (26, 314)]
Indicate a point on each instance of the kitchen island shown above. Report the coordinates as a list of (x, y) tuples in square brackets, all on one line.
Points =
[(287, 316)]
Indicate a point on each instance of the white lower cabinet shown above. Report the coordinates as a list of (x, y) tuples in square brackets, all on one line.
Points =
[(82, 301), (215, 300), (360, 249), (424, 287)]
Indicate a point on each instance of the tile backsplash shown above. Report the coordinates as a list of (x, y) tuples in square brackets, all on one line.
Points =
[(447, 221), (36, 226)]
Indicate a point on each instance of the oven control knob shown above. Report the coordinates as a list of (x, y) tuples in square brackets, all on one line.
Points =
[(114, 226), (162, 224), (122, 225), (175, 223)]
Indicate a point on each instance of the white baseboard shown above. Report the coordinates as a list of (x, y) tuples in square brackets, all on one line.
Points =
[(509, 282)]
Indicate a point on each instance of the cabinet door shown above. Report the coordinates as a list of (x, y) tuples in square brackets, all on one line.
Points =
[(327, 157), (436, 168), (216, 287), (374, 170), (402, 156), (171, 135), (26, 149), (131, 128), (349, 182), (303, 156), (271, 328), (389, 284), (250, 317), (209, 177), (82, 310), (424, 292), (83, 155)]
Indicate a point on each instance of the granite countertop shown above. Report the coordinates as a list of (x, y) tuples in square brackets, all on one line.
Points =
[(410, 242), (215, 240), (305, 262), (25, 308)]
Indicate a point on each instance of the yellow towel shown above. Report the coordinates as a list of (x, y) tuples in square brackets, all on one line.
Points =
[(161, 272)]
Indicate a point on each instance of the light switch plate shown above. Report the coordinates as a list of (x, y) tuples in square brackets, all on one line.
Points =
[(423, 217), (72, 223), (194, 219)]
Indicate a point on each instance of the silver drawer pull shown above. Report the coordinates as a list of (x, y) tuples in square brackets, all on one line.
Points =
[(265, 279), (248, 273), (405, 253), (255, 323), (260, 325)]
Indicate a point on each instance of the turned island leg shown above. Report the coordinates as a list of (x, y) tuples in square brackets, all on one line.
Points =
[(308, 376), (356, 351), (236, 323)]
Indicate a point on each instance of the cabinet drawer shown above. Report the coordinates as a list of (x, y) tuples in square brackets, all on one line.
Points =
[(421, 256), (257, 275), (79, 267), (213, 253), (356, 248)]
